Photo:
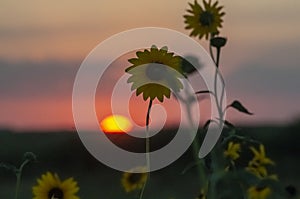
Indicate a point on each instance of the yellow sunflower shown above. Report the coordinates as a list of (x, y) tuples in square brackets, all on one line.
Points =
[(260, 156), (51, 187), (233, 150), (258, 165), (134, 181), (155, 73), (204, 21), (256, 192)]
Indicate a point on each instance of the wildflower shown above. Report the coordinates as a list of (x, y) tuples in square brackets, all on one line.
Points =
[(134, 181), (232, 151), (260, 156), (256, 192), (154, 72), (51, 187), (259, 171), (257, 165), (204, 21)]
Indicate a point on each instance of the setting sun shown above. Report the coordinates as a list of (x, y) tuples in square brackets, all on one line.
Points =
[(115, 124)]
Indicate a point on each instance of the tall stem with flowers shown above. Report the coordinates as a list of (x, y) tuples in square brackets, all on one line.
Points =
[(223, 173), (252, 181)]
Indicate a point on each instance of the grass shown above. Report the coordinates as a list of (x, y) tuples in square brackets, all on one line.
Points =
[(63, 152)]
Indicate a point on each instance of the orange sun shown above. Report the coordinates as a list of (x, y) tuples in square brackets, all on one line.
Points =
[(116, 124)]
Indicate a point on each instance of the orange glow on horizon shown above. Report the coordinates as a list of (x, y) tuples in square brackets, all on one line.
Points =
[(116, 124)]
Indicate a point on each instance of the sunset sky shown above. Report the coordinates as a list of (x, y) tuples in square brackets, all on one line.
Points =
[(42, 44)]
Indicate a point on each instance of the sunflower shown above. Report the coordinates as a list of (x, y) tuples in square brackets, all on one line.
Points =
[(260, 156), (155, 73), (204, 21), (258, 165), (134, 181), (232, 151), (256, 192), (258, 170), (51, 187)]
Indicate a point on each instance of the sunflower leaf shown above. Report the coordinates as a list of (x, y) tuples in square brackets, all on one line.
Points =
[(238, 106), (228, 124), (207, 124), (8, 167), (204, 91)]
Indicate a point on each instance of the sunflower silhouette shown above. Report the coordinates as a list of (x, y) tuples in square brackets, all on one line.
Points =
[(155, 73), (204, 21)]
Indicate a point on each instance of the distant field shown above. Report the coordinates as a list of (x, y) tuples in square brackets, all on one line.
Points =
[(63, 152)]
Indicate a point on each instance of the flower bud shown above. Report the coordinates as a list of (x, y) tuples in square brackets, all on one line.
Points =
[(218, 42), (29, 156)]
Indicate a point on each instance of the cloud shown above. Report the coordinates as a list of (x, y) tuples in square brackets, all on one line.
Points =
[(38, 95), (28, 79), (273, 73), (51, 78), (268, 85)]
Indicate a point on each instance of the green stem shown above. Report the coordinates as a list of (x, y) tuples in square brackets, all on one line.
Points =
[(212, 183), (222, 94), (19, 176), (210, 49), (196, 147), (147, 135), (221, 78), (143, 189), (147, 148), (219, 104), (218, 56), (211, 53), (148, 114)]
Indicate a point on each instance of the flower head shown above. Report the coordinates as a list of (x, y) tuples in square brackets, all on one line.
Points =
[(258, 170), (257, 165), (134, 181), (256, 192), (155, 72), (51, 187), (232, 151), (204, 20), (260, 156)]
